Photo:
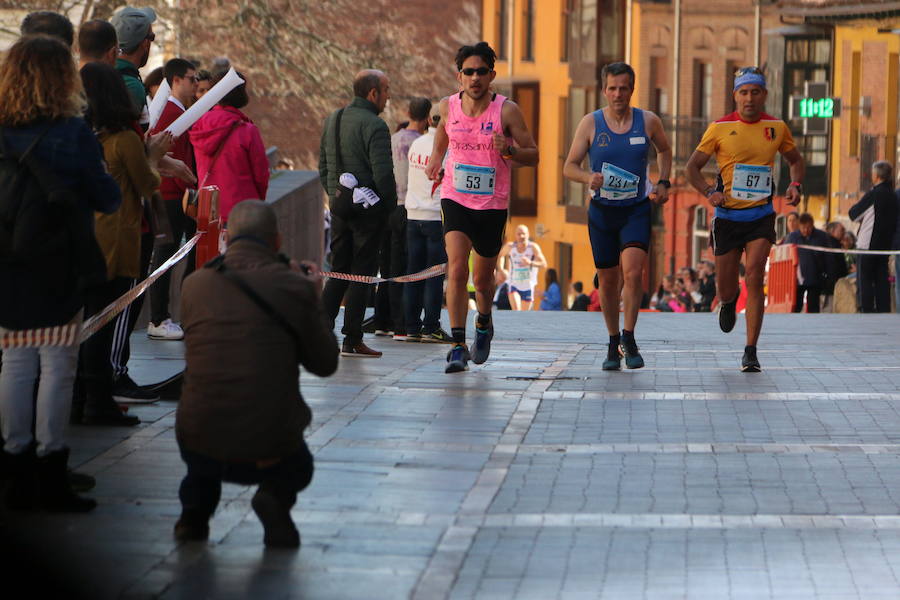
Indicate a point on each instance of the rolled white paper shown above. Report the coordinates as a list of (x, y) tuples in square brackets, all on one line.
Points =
[(204, 104), (158, 104)]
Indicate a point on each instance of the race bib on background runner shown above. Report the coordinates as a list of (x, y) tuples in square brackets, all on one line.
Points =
[(618, 184), (472, 179), (751, 183)]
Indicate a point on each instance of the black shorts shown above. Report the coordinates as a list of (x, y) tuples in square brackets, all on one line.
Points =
[(733, 235), (485, 228)]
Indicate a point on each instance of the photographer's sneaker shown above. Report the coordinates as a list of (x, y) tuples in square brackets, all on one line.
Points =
[(167, 330)]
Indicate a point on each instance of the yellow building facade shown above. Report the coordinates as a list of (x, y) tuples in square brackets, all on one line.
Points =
[(534, 70)]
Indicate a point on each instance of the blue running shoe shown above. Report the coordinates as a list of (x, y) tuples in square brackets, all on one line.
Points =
[(629, 348), (613, 360), (483, 339), (457, 359)]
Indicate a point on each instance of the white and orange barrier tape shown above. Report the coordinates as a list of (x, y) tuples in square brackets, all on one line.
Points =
[(426, 274), (847, 251), (76, 333)]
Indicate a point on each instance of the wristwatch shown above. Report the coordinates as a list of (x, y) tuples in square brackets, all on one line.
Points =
[(664, 182), (710, 191), (797, 185)]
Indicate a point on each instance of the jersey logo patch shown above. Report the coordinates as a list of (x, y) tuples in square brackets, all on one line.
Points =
[(487, 128), (733, 132), (770, 133), (603, 139)]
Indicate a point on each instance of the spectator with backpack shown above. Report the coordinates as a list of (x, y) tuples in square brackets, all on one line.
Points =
[(52, 179)]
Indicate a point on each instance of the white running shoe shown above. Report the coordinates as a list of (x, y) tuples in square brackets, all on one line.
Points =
[(167, 330)]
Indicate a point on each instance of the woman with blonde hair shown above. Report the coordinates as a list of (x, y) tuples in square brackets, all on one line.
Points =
[(48, 255)]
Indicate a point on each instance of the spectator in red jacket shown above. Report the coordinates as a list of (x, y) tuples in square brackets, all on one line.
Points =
[(241, 169), (181, 75)]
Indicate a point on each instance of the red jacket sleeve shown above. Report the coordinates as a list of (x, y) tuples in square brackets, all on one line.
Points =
[(172, 187)]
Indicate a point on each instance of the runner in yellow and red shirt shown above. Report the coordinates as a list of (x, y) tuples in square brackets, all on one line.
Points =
[(745, 144)]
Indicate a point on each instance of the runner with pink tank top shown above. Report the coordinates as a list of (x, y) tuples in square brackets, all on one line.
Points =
[(483, 136)]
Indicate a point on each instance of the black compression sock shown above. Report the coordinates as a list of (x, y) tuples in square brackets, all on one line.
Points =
[(483, 321), (459, 335), (627, 334), (615, 339)]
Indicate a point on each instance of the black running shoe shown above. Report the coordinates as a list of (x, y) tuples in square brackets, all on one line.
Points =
[(749, 363), (457, 359), (727, 315), (613, 360), (633, 358), (483, 339)]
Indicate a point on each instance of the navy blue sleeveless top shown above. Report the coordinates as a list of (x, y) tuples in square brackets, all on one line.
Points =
[(625, 154)]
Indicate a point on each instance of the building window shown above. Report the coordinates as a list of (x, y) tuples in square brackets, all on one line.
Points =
[(730, 68), (700, 235), (581, 101), (659, 77), (502, 26), (611, 25), (587, 31), (528, 25), (702, 90), (781, 227), (564, 24), (524, 189)]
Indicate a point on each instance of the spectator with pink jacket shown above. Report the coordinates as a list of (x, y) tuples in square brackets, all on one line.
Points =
[(229, 152)]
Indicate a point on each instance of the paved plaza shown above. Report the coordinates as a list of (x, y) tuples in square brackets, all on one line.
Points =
[(537, 475)]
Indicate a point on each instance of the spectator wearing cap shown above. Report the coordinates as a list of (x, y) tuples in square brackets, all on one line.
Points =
[(97, 42), (47, 22), (876, 213), (134, 30)]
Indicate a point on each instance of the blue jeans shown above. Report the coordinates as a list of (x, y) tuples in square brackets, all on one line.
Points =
[(425, 248)]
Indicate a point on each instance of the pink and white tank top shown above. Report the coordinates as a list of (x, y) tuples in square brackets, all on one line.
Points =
[(475, 175)]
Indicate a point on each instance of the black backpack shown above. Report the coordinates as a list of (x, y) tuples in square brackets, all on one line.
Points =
[(40, 220)]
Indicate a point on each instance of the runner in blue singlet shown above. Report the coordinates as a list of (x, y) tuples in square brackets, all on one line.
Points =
[(617, 139)]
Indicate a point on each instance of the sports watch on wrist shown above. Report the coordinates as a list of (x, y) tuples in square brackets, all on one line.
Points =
[(797, 185), (664, 182)]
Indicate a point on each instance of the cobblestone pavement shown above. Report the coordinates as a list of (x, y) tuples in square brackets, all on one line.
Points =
[(539, 476)]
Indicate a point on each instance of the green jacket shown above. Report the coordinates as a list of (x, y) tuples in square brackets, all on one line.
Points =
[(133, 83), (365, 151)]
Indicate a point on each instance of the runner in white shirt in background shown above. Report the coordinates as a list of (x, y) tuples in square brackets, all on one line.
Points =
[(522, 259)]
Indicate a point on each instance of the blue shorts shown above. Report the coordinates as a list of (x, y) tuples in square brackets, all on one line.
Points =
[(614, 228), (525, 295)]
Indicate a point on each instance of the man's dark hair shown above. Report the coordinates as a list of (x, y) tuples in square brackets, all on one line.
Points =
[(109, 104), (49, 23), (365, 84), (419, 109), (177, 67), (204, 75), (481, 49), (832, 226), (95, 38), (793, 212), (807, 218), (578, 286), (236, 98), (617, 68), (155, 77)]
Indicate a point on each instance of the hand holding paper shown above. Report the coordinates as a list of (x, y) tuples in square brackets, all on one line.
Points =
[(204, 104)]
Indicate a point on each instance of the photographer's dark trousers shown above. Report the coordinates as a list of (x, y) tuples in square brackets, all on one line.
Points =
[(874, 287), (354, 250), (813, 295), (201, 488), (389, 313), (182, 226)]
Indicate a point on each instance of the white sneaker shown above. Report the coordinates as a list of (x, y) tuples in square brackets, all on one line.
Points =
[(167, 330)]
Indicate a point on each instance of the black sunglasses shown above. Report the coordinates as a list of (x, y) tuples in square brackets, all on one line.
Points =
[(482, 71)]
